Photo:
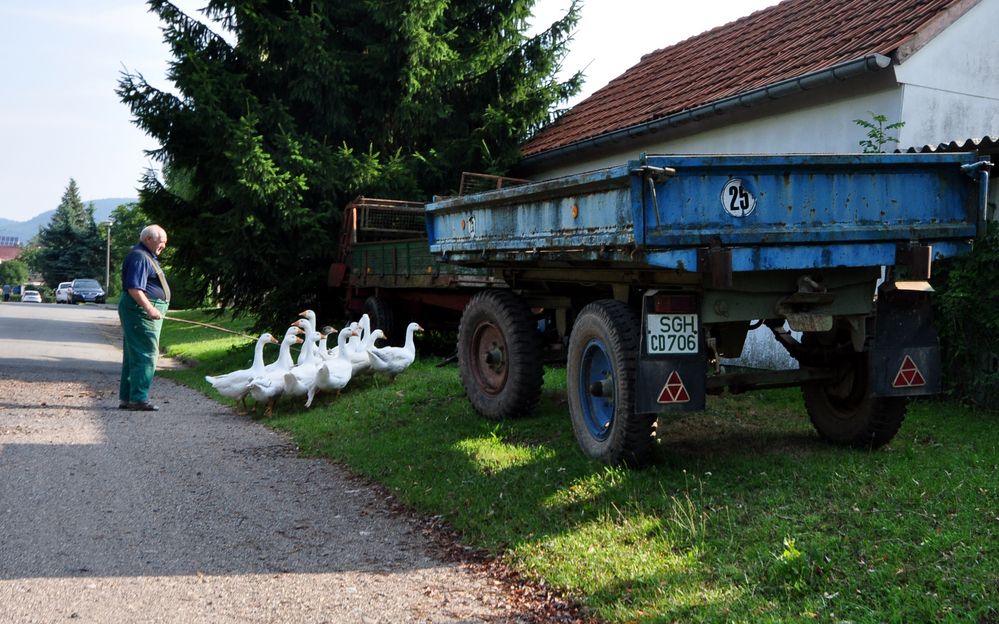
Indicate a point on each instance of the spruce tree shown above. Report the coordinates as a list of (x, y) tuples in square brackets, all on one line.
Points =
[(70, 245), (318, 102)]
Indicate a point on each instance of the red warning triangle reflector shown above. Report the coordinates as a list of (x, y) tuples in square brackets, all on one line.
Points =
[(674, 391), (908, 375)]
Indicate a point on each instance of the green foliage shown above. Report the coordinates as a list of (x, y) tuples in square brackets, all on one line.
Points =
[(29, 256), (13, 272), (967, 316), (71, 245), (129, 219), (267, 139), (877, 133)]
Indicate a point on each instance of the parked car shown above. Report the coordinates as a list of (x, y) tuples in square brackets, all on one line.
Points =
[(31, 296), (64, 293), (86, 291)]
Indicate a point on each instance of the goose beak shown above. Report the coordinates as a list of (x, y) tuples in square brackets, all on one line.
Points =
[(273, 340), (303, 313)]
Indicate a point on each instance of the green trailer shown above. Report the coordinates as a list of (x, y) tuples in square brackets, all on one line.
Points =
[(385, 269)]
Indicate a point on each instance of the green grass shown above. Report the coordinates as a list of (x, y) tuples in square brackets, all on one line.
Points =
[(746, 515)]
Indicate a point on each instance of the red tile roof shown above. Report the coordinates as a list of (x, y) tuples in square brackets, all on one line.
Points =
[(9, 252), (789, 40)]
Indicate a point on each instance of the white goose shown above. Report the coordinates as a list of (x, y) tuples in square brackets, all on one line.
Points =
[(362, 343), (301, 379), (394, 360), (308, 328), (334, 373), (323, 348), (236, 385), (267, 387), (284, 360), (310, 316), (360, 361)]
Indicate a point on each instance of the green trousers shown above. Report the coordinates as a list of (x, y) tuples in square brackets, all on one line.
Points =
[(140, 348)]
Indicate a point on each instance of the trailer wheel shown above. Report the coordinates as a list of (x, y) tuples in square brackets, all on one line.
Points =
[(499, 355), (382, 317), (843, 411), (601, 378)]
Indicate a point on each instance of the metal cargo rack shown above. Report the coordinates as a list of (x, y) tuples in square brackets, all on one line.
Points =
[(368, 219)]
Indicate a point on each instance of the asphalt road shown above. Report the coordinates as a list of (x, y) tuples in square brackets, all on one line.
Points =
[(191, 514)]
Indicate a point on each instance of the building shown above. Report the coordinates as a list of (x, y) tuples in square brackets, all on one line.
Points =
[(792, 78), (10, 248)]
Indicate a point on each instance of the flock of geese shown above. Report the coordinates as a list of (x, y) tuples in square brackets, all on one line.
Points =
[(318, 368)]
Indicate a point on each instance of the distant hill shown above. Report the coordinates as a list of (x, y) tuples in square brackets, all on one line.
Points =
[(26, 230)]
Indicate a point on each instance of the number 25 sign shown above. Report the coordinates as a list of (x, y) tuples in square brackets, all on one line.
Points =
[(736, 199)]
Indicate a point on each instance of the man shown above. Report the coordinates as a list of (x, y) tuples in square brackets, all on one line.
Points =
[(141, 308), (6, 292)]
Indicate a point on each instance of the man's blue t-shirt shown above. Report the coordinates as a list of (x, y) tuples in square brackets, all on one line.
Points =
[(137, 272)]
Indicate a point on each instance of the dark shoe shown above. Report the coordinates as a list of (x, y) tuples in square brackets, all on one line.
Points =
[(143, 406), (123, 405)]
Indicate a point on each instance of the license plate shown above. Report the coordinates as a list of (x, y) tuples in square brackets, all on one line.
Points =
[(671, 334)]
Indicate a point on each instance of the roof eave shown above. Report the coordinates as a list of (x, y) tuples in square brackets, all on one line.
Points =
[(806, 82), (933, 28)]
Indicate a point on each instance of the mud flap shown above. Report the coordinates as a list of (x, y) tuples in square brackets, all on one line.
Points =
[(905, 352), (671, 376)]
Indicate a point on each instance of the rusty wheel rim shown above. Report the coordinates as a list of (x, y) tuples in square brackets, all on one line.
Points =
[(489, 354)]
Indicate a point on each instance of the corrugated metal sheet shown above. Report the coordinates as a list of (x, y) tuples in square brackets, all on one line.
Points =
[(983, 145), (783, 42)]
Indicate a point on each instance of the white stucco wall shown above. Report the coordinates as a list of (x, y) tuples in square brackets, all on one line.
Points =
[(817, 122), (951, 85)]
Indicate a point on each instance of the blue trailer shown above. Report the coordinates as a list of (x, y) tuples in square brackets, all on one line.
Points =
[(646, 275)]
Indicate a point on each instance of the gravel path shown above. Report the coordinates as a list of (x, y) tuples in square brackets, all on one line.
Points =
[(194, 514)]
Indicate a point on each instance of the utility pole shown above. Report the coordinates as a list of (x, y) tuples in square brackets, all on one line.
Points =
[(107, 268)]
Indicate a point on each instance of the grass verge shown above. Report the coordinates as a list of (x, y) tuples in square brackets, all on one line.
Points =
[(746, 516)]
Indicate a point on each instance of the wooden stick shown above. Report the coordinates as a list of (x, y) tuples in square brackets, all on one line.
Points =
[(209, 326)]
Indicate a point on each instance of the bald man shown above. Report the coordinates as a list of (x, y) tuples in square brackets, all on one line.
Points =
[(143, 304)]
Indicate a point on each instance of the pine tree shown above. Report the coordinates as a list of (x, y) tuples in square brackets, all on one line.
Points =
[(70, 245), (318, 102)]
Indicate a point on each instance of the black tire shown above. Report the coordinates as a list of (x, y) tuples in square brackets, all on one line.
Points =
[(383, 317), (499, 355), (600, 378), (844, 413)]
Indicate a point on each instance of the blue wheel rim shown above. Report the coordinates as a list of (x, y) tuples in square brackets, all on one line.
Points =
[(596, 369)]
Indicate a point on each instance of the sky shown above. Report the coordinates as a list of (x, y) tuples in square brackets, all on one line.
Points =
[(60, 61)]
